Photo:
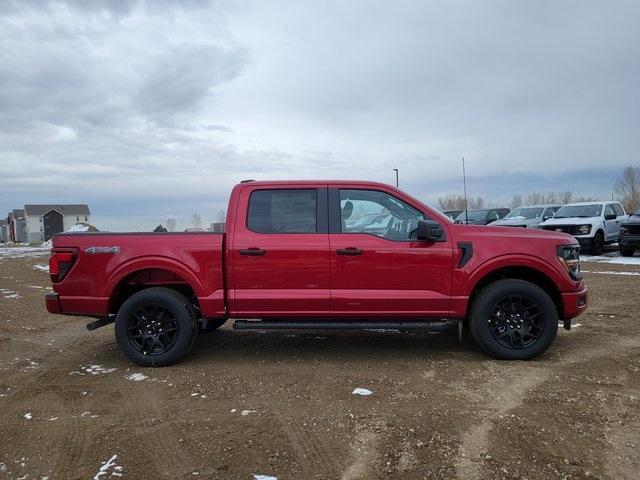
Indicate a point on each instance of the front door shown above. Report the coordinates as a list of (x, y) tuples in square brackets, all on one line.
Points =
[(378, 269), (280, 254)]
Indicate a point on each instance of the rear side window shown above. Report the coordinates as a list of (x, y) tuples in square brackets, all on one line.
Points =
[(283, 211)]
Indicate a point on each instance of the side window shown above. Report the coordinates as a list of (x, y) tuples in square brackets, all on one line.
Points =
[(492, 216), (549, 212), (608, 210), (283, 211), (377, 213), (618, 209)]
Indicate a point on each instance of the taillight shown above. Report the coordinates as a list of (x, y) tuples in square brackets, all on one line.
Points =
[(59, 265)]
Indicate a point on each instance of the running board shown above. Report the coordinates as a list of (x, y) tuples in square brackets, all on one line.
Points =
[(328, 325)]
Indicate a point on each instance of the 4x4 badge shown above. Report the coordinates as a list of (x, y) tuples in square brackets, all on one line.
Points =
[(107, 250)]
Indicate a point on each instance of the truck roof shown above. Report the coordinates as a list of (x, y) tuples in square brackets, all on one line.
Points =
[(315, 182)]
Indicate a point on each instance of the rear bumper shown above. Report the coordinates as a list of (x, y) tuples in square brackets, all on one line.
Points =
[(574, 303), (52, 301)]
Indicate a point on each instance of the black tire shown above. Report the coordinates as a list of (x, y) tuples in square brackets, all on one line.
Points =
[(627, 252), (496, 326), (597, 245), (212, 324), (156, 327)]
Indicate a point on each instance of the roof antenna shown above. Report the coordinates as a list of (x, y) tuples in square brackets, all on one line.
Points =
[(464, 181)]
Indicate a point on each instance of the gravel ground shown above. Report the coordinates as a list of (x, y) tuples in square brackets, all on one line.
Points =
[(281, 404)]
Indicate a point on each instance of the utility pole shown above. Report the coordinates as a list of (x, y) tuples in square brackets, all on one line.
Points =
[(396, 170), (464, 181)]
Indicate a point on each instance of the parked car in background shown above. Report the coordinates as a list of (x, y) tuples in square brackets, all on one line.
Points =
[(629, 239), (452, 214), (528, 217), (483, 216), (593, 224)]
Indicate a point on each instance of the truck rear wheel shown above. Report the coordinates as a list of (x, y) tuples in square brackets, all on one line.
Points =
[(156, 327), (513, 320)]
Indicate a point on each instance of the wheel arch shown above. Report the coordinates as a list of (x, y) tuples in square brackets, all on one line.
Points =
[(527, 273), (150, 272)]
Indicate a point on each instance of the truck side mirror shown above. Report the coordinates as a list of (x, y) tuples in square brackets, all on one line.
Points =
[(430, 231)]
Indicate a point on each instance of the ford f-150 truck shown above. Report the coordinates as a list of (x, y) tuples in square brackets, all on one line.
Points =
[(295, 256)]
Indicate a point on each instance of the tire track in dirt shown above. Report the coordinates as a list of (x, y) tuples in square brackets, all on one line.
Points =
[(317, 459), (516, 382), (364, 451)]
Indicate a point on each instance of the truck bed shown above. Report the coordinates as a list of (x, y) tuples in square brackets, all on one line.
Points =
[(108, 266)]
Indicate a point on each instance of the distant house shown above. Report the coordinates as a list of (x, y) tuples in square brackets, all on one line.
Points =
[(4, 231), (17, 226), (43, 221)]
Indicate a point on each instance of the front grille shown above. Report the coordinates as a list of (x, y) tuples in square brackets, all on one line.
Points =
[(633, 229), (570, 229)]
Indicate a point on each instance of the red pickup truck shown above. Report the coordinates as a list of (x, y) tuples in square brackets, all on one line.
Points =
[(323, 254)]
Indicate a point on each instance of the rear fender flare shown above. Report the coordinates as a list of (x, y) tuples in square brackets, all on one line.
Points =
[(159, 263)]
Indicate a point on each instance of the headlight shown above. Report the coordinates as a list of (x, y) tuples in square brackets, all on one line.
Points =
[(569, 256), (584, 229)]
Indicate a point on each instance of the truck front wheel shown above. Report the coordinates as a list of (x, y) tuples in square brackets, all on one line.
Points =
[(513, 320), (156, 327)]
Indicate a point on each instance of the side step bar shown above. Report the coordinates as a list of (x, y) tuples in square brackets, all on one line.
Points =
[(328, 325)]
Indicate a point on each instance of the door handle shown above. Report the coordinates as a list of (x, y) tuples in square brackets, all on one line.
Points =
[(253, 251), (352, 251)]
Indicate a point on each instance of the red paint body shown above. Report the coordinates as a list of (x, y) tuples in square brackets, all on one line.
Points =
[(301, 276)]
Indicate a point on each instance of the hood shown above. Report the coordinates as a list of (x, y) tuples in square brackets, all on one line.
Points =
[(633, 218), (570, 221), (516, 222)]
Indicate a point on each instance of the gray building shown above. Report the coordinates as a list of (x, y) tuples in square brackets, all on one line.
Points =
[(4, 231), (43, 221)]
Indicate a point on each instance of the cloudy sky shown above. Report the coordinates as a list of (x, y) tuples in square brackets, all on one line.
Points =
[(151, 109)]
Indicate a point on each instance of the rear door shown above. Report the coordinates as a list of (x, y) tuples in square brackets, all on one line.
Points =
[(378, 269), (280, 253)]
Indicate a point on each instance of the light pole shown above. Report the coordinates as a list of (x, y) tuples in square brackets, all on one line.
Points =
[(396, 170)]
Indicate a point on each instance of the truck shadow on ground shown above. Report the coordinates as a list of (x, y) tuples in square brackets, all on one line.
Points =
[(436, 343)]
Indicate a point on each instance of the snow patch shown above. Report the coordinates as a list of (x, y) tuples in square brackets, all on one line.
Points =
[(93, 370), (110, 467), (42, 268), (23, 252), (361, 391), (264, 477), (610, 272), (28, 416), (244, 413), (611, 257), (136, 377)]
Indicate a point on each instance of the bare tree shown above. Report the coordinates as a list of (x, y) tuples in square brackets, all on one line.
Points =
[(627, 188), (477, 202), (220, 216), (516, 201), (171, 224), (196, 220), (565, 197), (451, 201)]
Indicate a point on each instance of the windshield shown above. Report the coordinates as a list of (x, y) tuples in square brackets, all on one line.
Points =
[(526, 212), (579, 211), (474, 215)]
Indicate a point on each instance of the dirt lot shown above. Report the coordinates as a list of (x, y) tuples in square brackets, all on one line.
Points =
[(246, 403)]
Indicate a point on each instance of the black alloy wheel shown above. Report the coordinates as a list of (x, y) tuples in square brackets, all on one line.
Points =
[(152, 330), (516, 322)]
